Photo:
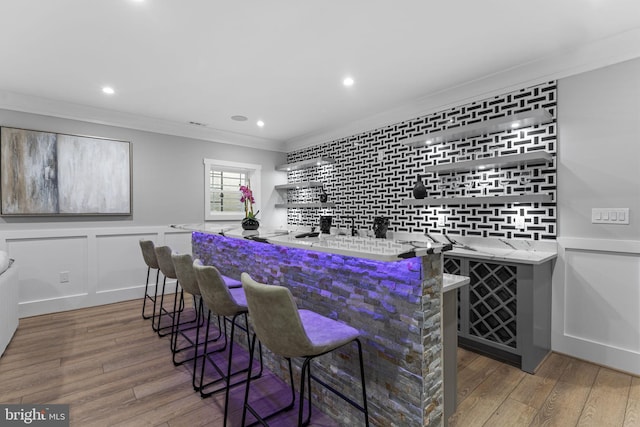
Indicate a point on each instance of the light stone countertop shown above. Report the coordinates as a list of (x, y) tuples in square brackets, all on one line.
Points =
[(453, 281), (494, 249), (397, 245), (360, 247), (495, 254)]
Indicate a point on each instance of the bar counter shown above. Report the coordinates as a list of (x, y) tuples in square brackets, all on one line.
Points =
[(389, 291)]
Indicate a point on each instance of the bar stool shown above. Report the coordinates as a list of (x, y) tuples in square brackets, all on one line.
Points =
[(183, 265), (165, 263), (226, 302), (149, 256), (290, 332)]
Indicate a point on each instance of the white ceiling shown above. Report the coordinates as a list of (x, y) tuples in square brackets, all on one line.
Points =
[(283, 61)]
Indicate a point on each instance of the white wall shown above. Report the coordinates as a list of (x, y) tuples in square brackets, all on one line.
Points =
[(102, 254), (596, 284)]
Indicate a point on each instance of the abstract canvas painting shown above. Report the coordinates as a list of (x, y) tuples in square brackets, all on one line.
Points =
[(44, 173)]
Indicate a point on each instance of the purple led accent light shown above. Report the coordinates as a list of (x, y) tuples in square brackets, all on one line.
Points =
[(233, 256)]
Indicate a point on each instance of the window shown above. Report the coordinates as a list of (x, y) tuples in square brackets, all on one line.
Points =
[(222, 188)]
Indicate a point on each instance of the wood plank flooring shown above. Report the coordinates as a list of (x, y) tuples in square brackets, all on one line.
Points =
[(564, 392), (108, 365), (113, 371)]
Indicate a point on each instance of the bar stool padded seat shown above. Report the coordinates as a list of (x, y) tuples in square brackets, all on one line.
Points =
[(231, 283), (324, 334)]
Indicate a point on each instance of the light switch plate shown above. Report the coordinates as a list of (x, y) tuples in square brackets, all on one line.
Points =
[(442, 219), (618, 216), (519, 222)]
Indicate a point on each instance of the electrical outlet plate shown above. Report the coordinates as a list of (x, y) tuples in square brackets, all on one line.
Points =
[(619, 216), (64, 277)]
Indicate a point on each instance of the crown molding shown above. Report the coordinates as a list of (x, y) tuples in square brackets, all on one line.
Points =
[(66, 110), (601, 53)]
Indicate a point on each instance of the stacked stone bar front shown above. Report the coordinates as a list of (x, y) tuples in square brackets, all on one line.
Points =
[(395, 306)]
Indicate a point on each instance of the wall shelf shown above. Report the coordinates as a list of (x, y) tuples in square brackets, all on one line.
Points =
[(299, 185), (480, 200), (498, 124), (306, 205), (320, 161), (532, 158)]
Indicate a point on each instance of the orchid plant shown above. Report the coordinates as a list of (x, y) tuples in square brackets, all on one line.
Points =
[(248, 200)]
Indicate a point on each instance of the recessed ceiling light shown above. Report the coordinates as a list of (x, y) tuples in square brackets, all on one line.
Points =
[(515, 125), (260, 123), (108, 90), (239, 118), (348, 81)]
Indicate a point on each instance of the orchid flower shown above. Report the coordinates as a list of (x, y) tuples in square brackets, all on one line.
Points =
[(248, 200)]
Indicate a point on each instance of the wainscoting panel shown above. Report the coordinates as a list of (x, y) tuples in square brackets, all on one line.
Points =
[(104, 265), (596, 302), (178, 240), (44, 260), (601, 298), (119, 261)]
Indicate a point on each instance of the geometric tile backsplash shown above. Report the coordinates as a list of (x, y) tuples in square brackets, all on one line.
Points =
[(373, 172)]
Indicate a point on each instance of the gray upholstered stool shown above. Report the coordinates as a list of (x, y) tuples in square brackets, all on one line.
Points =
[(230, 303), (149, 256), (183, 265), (165, 263), (290, 332)]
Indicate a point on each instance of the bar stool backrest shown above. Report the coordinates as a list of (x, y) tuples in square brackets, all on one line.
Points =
[(215, 293), (183, 265), (149, 253), (163, 254), (275, 318)]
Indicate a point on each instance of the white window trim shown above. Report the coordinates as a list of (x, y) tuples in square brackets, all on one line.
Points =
[(253, 171)]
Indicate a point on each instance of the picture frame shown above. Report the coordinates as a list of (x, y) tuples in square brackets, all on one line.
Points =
[(55, 174)]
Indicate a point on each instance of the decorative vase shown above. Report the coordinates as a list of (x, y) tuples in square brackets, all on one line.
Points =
[(380, 226), (419, 191), (250, 224)]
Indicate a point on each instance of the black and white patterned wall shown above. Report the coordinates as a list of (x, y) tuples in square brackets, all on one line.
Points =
[(373, 172)]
